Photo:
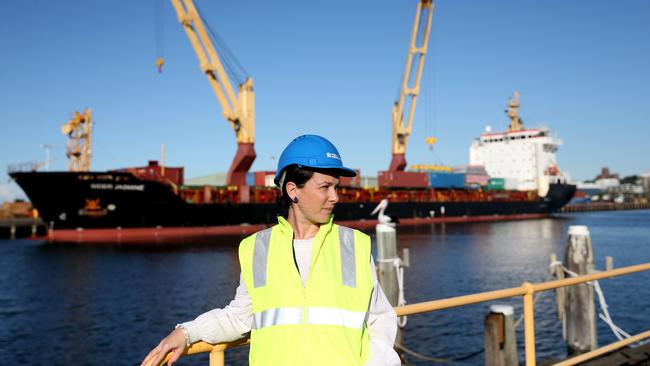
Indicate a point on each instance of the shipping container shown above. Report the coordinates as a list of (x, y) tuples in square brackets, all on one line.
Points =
[(496, 184), (511, 184), (269, 180), (471, 169), (446, 180), (403, 179), (250, 179), (477, 180), (261, 178), (351, 181)]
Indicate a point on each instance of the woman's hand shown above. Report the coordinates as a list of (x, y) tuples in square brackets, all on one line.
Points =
[(175, 342)]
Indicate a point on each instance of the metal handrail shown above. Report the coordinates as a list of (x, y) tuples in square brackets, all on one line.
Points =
[(527, 290)]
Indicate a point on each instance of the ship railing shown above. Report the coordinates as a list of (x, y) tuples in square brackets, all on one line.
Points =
[(527, 290), (23, 167)]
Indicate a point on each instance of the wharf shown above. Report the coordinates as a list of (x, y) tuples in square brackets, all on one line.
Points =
[(604, 206), (23, 227), (627, 356)]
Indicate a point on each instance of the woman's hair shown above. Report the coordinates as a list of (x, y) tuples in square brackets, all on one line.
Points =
[(299, 176)]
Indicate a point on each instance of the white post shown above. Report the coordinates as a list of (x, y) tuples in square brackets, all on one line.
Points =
[(579, 306)]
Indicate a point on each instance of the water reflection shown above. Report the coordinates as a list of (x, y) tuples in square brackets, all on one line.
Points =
[(86, 305)]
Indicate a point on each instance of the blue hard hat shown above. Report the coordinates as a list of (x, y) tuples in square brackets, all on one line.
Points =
[(314, 152)]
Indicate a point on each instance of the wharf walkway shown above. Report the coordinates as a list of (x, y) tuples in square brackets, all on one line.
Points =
[(604, 206), (627, 356), (24, 227)]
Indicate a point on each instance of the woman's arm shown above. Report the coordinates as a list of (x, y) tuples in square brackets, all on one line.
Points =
[(382, 324), (223, 325)]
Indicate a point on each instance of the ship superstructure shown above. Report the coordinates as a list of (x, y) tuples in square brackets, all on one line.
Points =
[(524, 157)]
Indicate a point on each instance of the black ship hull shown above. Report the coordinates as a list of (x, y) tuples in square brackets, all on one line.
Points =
[(110, 200)]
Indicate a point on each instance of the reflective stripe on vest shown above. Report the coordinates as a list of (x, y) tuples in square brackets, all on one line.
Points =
[(348, 266), (278, 316), (260, 257), (315, 315)]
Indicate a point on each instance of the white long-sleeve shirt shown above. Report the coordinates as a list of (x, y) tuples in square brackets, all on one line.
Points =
[(234, 321)]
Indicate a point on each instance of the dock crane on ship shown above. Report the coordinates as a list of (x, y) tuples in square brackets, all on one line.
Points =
[(238, 107), (409, 92), (79, 132)]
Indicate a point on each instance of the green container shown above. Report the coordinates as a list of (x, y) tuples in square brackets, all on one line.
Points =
[(496, 184)]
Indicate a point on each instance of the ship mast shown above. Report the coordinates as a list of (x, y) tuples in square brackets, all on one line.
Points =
[(516, 124), (409, 93), (79, 129)]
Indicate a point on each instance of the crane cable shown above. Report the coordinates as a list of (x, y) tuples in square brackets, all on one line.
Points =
[(233, 67), (159, 34)]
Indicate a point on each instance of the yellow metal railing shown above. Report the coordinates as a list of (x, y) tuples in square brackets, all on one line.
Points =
[(527, 290)]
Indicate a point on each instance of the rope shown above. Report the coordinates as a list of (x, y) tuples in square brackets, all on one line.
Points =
[(424, 357), (401, 321), (535, 298), (604, 308)]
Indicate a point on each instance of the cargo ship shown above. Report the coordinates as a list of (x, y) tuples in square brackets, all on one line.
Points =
[(512, 174)]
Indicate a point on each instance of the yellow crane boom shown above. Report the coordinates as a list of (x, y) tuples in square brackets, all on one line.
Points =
[(409, 93), (238, 108)]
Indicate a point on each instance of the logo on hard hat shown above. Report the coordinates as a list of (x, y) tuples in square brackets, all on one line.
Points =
[(332, 155)]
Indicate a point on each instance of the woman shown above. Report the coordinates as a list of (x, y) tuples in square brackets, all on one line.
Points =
[(308, 291)]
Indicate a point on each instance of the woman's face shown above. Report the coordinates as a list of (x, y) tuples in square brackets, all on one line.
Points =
[(316, 199)]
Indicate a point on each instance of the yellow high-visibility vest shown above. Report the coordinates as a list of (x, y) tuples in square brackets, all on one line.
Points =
[(322, 323)]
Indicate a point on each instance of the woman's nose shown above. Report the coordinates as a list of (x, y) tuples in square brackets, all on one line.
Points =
[(334, 195)]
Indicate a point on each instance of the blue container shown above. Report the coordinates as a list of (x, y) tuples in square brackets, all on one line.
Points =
[(446, 180), (250, 179)]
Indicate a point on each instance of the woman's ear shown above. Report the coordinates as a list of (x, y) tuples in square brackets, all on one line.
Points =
[(291, 189)]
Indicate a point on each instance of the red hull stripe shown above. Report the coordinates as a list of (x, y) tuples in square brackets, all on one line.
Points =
[(176, 235)]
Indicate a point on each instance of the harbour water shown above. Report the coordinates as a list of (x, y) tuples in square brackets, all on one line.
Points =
[(84, 305)]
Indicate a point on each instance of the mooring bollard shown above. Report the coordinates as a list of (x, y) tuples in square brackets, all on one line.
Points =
[(499, 337), (580, 308), (387, 253), (389, 266)]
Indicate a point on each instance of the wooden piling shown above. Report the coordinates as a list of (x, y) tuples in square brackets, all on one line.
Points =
[(499, 337), (580, 308), (609, 263), (387, 274), (386, 254)]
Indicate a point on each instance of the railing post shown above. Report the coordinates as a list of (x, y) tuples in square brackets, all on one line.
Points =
[(529, 323), (217, 355), (499, 337)]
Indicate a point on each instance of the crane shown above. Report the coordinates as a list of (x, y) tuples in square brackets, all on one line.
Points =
[(409, 93), (238, 108), (79, 130)]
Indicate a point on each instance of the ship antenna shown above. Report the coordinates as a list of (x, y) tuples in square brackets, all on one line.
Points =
[(516, 124)]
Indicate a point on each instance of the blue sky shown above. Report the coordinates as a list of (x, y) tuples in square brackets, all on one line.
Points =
[(331, 68)]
